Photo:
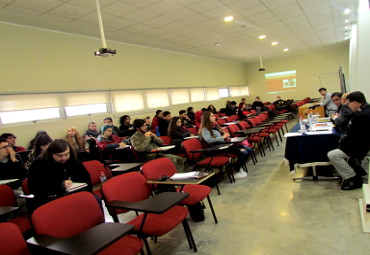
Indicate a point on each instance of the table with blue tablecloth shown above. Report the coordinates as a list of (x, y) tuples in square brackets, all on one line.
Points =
[(305, 148)]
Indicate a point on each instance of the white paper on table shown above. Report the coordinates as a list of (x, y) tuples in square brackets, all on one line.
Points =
[(292, 134), (179, 176), (324, 132)]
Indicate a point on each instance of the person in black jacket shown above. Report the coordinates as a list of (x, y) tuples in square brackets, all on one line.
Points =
[(231, 108), (164, 123), (355, 144), (54, 172)]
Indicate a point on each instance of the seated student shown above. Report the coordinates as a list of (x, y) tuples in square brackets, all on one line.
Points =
[(257, 103), (156, 119), (242, 111), (79, 145), (11, 139), (212, 109), (243, 101), (186, 121), (163, 124), (212, 133), (41, 143), (32, 142), (177, 130), (147, 121), (145, 141), (279, 103), (10, 166), (91, 132), (191, 114), (54, 172), (109, 121), (108, 141), (231, 108), (126, 128), (198, 117)]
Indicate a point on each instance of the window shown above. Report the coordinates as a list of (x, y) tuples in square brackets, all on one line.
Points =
[(180, 96), (85, 109), (244, 91), (212, 94), (29, 115), (126, 101), (197, 95), (157, 98), (224, 92), (235, 91)]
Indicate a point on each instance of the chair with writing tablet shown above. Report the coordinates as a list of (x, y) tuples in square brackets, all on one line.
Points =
[(11, 240), (157, 168)]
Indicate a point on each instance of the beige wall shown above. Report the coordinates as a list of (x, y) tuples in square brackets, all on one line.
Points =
[(40, 60), (309, 67)]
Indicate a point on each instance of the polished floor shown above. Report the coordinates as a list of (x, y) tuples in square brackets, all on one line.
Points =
[(269, 214)]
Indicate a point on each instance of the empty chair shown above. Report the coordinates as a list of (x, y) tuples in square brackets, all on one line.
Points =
[(95, 168), (71, 215), (11, 240), (163, 166), (132, 187)]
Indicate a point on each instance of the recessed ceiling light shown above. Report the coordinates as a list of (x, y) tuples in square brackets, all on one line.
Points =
[(228, 18), (274, 43), (286, 49), (261, 37), (346, 21), (347, 11)]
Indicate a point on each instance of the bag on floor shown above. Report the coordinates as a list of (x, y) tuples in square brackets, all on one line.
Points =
[(196, 212)]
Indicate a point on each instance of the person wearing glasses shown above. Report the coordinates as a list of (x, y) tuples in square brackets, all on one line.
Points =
[(343, 114), (10, 166)]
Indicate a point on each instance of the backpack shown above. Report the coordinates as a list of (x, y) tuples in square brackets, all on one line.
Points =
[(196, 212)]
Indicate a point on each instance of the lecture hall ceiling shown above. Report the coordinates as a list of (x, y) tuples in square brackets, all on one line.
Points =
[(196, 26)]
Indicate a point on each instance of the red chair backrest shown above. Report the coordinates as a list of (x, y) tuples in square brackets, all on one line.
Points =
[(221, 121), (7, 197), (94, 168), (166, 139), (234, 117), (25, 188), (193, 130), (216, 116), (229, 119), (191, 145), (233, 129), (11, 240), (253, 111), (157, 168), (67, 216), (254, 121), (243, 124)]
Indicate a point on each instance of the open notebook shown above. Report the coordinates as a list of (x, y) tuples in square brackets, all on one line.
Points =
[(76, 186)]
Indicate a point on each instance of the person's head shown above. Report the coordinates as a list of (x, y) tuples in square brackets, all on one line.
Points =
[(344, 98), (183, 114), (356, 99), (4, 148), (108, 121), (174, 125), (125, 120), (336, 97), (59, 151), (42, 142), (233, 104), (244, 100), (159, 114), (210, 107), (71, 131), (167, 115), (147, 120), (322, 91), (92, 126), (258, 99), (140, 126), (207, 119), (10, 138), (107, 131), (190, 109), (278, 98)]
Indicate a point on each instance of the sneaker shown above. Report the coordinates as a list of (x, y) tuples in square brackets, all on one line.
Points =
[(240, 175)]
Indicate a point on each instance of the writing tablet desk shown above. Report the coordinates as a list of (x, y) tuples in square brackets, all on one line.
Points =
[(196, 180), (124, 167), (88, 242)]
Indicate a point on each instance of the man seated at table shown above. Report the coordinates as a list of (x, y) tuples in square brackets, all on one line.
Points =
[(330, 107), (11, 139), (355, 144), (10, 166), (144, 142), (343, 115)]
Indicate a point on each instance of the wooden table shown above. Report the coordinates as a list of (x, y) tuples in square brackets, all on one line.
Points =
[(303, 110), (88, 242)]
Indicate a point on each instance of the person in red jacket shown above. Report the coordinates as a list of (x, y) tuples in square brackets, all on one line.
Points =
[(156, 119)]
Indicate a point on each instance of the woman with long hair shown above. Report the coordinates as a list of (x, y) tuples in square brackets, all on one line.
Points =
[(212, 134), (242, 111), (176, 130), (40, 145), (125, 128), (79, 145), (212, 108)]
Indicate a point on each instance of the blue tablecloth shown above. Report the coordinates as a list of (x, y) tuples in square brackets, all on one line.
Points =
[(309, 148)]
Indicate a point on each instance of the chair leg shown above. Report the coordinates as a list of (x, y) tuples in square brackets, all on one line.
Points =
[(213, 211), (147, 246), (189, 235), (218, 189)]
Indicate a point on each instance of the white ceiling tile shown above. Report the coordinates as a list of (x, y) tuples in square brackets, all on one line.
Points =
[(118, 9), (70, 11), (37, 5), (163, 7), (157, 21)]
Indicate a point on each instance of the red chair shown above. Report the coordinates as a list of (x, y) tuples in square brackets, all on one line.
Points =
[(11, 240), (132, 187), (157, 168), (7, 198), (193, 130), (222, 121), (71, 215), (166, 139), (95, 168), (196, 155), (255, 122), (233, 130)]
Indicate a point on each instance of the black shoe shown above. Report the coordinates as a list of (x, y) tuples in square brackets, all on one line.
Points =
[(351, 183)]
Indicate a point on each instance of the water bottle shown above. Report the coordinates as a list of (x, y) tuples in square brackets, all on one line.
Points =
[(103, 178), (301, 124), (157, 131)]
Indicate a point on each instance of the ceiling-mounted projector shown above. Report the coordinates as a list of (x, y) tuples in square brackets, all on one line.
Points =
[(105, 52), (262, 69)]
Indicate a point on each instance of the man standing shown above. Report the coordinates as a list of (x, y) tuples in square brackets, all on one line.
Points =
[(144, 142), (355, 144), (330, 107), (343, 114)]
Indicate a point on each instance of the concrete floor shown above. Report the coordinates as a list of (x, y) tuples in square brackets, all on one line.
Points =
[(268, 213)]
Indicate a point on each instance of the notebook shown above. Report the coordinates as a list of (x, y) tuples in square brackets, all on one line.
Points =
[(76, 186)]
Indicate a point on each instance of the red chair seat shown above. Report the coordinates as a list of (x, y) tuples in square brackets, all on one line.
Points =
[(196, 193), (216, 161), (23, 223), (154, 222)]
